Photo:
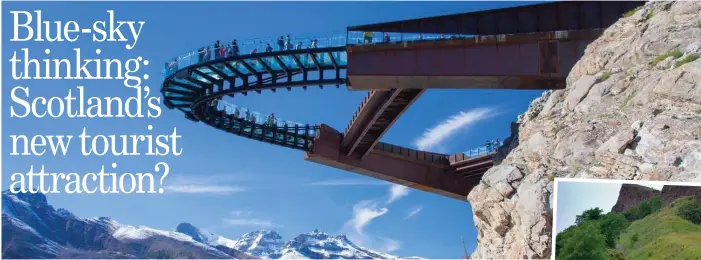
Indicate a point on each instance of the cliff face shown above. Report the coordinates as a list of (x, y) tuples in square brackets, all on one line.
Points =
[(631, 196), (631, 110), (672, 193)]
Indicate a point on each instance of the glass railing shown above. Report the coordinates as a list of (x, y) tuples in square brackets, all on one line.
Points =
[(223, 49), (361, 38), (236, 48), (369, 38), (263, 119), (488, 148)]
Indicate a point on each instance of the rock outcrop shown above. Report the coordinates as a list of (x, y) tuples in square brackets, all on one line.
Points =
[(672, 193), (631, 110), (632, 195)]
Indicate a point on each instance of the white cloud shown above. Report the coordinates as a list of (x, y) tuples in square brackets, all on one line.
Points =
[(435, 136), (389, 245), (397, 192), (415, 210), (196, 188), (364, 212), (213, 178), (347, 182), (241, 213), (216, 184), (248, 222)]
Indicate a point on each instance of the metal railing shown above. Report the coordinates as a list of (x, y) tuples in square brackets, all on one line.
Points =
[(489, 147), (221, 50), (360, 108), (259, 118), (411, 153), (363, 38)]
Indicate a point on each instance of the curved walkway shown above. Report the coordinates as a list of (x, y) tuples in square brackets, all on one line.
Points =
[(196, 82)]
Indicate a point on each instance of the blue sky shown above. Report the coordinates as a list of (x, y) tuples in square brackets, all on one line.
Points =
[(247, 185)]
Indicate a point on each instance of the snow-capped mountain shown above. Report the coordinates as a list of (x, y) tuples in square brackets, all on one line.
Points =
[(319, 245), (269, 244), (34, 229), (260, 243), (195, 233)]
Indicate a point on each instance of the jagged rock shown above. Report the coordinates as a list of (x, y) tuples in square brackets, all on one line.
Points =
[(620, 117), (502, 177), (579, 91), (552, 101), (693, 48), (616, 144), (632, 195), (535, 107), (596, 93), (649, 146), (672, 193)]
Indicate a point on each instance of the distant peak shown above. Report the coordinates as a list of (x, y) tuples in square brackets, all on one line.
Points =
[(264, 232), (185, 225), (65, 213), (35, 199), (193, 232)]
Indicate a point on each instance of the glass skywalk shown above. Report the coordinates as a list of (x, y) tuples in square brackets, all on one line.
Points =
[(263, 127), (255, 64), (258, 47)]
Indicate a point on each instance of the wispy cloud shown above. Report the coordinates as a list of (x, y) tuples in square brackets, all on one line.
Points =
[(211, 189), (248, 222), (215, 184), (397, 192), (389, 245), (435, 136), (347, 182), (239, 213), (415, 210), (364, 212), (210, 178)]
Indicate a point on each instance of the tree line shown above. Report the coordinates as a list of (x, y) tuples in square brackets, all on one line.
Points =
[(594, 235)]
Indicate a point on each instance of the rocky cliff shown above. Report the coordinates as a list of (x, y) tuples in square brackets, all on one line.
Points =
[(631, 110), (632, 195), (672, 193)]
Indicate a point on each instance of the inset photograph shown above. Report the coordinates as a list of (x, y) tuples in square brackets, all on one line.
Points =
[(610, 219)]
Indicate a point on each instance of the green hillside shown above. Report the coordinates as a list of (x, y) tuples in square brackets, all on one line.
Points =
[(648, 231), (663, 235)]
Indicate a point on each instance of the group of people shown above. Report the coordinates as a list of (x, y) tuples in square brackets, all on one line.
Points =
[(219, 51), (228, 50), (492, 145), (271, 121), (368, 37)]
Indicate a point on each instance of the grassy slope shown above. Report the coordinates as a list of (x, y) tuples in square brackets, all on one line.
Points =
[(663, 235)]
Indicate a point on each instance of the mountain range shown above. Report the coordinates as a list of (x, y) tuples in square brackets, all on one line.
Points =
[(34, 229)]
